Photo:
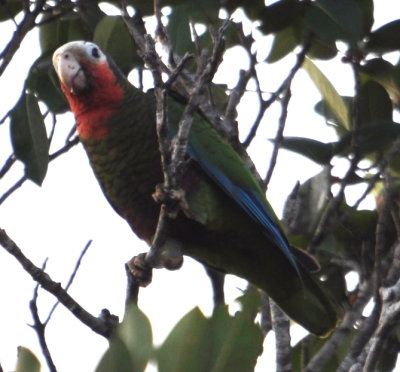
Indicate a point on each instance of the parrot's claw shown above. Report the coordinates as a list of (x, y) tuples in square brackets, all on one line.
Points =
[(175, 199), (141, 270)]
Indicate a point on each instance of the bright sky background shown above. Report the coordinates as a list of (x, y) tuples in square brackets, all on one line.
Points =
[(58, 219)]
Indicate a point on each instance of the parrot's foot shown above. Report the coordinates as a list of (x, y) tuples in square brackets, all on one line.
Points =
[(141, 270), (168, 256), (175, 199)]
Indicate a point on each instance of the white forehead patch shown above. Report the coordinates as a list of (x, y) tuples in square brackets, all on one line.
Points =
[(86, 49)]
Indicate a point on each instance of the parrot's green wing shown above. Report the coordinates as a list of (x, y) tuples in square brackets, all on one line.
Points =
[(279, 274)]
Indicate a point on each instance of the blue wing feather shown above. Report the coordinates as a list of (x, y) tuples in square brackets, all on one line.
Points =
[(250, 201)]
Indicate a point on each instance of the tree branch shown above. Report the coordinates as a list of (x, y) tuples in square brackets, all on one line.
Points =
[(27, 24), (40, 328), (282, 88), (281, 326), (71, 279), (52, 157), (98, 325)]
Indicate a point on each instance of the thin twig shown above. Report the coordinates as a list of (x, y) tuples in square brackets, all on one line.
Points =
[(326, 226), (13, 188), (97, 325), (7, 165), (278, 137), (71, 278), (230, 112), (27, 24), (52, 157), (282, 88), (40, 328)]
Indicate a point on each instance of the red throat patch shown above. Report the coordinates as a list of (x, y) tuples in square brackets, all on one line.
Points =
[(94, 107)]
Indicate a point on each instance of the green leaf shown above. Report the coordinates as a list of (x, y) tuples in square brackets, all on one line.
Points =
[(9, 9), (179, 30), (374, 104), (135, 332), (284, 42), (205, 11), (385, 39), (385, 74), (321, 49), (218, 344), (251, 302), (330, 116), (367, 11), (182, 350), (237, 342), (280, 15), (41, 81), (112, 35), (116, 358), (370, 139), (333, 20), (56, 32), (317, 151), (26, 361), (29, 137), (144, 7), (334, 101)]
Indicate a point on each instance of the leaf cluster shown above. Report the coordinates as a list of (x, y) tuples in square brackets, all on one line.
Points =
[(219, 343)]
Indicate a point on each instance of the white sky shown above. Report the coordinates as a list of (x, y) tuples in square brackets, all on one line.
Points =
[(58, 219)]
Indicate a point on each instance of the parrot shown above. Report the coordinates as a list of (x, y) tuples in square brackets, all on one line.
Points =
[(227, 223)]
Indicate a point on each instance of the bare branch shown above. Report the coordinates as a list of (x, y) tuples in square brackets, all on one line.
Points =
[(336, 340), (278, 137), (282, 88), (27, 24), (71, 279), (98, 325), (281, 326), (266, 323), (52, 157), (390, 316), (40, 328), (7, 165)]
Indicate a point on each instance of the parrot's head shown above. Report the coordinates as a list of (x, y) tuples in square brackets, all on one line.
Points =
[(91, 83)]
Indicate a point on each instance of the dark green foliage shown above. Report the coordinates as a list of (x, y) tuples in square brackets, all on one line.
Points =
[(26, 361), (112, 35), (131, 345), (219, 343), (9, 9), (41, 80), (385, 39), (29, 138), (321, 153)]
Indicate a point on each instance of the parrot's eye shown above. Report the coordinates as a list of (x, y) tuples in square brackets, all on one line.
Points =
[(95, 53)]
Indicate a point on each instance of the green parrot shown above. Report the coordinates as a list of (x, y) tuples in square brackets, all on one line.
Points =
[(227, 224)]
